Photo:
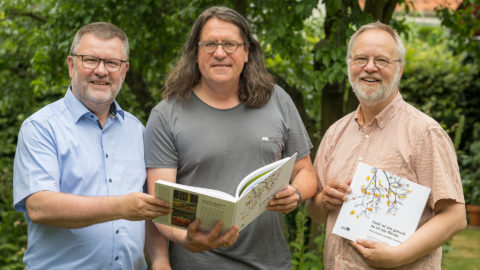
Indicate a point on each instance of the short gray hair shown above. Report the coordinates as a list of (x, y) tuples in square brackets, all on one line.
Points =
[(102, 30), (380, 26)]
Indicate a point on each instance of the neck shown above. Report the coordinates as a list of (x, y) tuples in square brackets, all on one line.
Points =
[(370, 111), (101, 110), (218, 96)]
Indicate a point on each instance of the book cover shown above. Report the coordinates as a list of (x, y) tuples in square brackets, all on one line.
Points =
[(382, 207), (251, 199)]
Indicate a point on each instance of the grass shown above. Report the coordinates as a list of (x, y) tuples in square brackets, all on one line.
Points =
[(464, 251)]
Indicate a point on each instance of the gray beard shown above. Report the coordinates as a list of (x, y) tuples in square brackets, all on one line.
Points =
[(379, 95)]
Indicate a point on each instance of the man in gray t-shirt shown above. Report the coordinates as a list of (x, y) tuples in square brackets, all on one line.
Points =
[(212, 131)]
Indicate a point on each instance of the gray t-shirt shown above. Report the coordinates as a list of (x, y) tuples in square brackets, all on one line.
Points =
[(216, 148)]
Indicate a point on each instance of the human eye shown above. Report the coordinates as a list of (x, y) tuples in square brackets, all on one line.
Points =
[(210, 44), (90, 59), (229, 44), (112, 63), (360, 60), (382, 61)]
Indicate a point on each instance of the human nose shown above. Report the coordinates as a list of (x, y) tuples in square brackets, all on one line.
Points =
[(220, 51), (101, 68), (371, 66)]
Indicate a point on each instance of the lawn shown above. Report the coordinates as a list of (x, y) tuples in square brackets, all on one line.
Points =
[(464, 251)]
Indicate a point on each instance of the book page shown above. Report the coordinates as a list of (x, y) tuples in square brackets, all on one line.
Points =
[(254, 201), (382, 207), (190, 203), (257, 176)]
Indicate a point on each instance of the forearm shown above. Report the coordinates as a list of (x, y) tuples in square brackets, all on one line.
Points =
[(445, 224), (316, 209), (71, 211), (156, 247), (304, 178)]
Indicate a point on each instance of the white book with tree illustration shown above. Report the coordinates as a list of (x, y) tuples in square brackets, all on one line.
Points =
[(251, 198), (382, 207)]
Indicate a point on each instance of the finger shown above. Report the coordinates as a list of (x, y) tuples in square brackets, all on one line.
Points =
[(155, 201), (284, 208), (284, 200), (232, 240), (193, 228), (359, 248), (215, 232), (285, 192), (160, 212), (334, 202), (340, 186), (366, 243), (231, 236), (335, 193)]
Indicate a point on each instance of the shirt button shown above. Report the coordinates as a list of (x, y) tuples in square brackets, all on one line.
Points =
[(360, 158), (106, 155), (366, 136), (116, 258), (117, 231), (110, 180)]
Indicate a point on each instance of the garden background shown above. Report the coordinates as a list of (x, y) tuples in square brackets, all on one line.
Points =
[(304, 45)]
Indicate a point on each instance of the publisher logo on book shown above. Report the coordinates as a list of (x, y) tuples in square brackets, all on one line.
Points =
[(345, 228)]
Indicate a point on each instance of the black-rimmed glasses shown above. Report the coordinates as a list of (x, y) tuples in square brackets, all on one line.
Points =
[(380, 62), (229, 46), (92, 62)]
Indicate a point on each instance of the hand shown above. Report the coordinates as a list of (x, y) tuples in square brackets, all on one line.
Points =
[(378, 254), (285, 201), (199, 241), (141, 206), (334, 194)]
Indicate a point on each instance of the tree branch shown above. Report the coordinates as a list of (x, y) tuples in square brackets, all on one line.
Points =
[(16, 13)]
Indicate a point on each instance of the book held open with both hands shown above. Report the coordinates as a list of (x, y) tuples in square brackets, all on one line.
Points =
[(251, 198), (382, 207)]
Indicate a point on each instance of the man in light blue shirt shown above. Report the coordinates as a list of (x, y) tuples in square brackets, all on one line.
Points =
[(79, 169)]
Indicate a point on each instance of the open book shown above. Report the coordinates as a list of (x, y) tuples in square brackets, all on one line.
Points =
[(251, 198), (382, 207)]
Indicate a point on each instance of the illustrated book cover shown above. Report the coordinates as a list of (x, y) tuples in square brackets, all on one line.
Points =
[(382, 207), (251, 198)]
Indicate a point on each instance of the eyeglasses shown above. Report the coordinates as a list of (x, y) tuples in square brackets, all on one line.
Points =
[(229, 46), (92, 62), (380, 62)]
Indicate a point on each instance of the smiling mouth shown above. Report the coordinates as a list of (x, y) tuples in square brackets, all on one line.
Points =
[(370, 80), (99, 83)]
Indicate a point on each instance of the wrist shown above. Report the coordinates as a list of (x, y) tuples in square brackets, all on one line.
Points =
[(299, 200)]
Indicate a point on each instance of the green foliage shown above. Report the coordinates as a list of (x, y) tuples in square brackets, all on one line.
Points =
[(470, 172), (301, 256), (464, 24), (435, 80), (36, 36), (449, 85)]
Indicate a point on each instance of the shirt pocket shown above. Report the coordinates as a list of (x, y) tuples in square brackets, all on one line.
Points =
[(271, 148)]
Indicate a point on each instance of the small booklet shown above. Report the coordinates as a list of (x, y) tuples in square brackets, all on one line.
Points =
[(251, 198), (382, 207)]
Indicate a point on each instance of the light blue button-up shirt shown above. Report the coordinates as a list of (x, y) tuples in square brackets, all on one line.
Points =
[(63, 148)]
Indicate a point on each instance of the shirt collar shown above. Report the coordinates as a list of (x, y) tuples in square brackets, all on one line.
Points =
[(385, 115), (78, 110)]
